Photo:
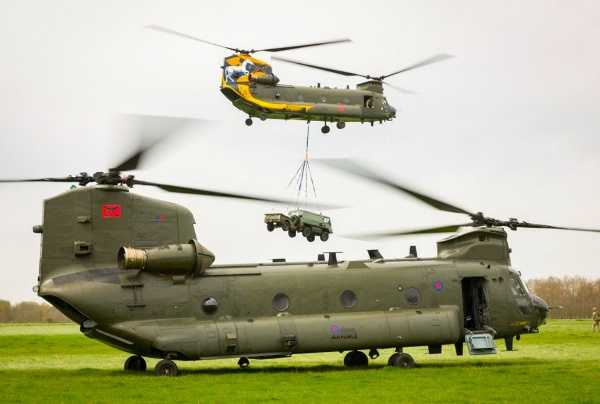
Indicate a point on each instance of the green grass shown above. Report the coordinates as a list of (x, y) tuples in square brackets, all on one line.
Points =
[(54, 363)]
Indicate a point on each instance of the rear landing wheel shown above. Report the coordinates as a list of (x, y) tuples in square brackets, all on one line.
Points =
[(166, 367), (325, 129), (354, 359), (401, 360), (243, 362), (340, 125), (248, 121), (135, 363)]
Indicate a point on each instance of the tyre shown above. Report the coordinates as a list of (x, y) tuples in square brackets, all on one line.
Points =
[(401, 360), (135, 363), (306, 232), (166, 367), (324, 236), (292, 233), (340, 125), (285, 226), (270, 226), (311, 238), (248, 122), (355, 359), (325, 129)]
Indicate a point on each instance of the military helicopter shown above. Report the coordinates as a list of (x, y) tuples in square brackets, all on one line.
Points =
[(252, 87), (130, 271)]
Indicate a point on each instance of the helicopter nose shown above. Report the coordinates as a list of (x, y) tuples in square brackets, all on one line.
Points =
[(541, 308)]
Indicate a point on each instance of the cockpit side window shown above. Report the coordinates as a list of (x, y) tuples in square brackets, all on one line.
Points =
[(517, 287)]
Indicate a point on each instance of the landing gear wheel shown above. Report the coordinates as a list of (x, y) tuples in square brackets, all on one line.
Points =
[(340, 125), (324, 236), (325, 129), (306, 232), (401, 360), (311, 238), (135, 363), (248, 121), (354, 359), (243, 362), (270, 226), (166, 367), (292, 233), (373, 353)]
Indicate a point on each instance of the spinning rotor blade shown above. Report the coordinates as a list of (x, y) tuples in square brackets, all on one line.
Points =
[(399, 89), (363, 172), (428, 61), (306, 45), (151, 130), (430, 230), (50, 179), (206, 192), (193, 38), (545, 226), (327, 69)]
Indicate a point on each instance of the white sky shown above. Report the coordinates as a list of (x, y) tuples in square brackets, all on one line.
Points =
[(509, 126)]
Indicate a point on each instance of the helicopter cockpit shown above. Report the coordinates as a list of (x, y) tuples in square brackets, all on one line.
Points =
[(245, 68)]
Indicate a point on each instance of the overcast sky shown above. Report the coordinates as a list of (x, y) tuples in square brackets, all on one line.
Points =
[(509, 126)]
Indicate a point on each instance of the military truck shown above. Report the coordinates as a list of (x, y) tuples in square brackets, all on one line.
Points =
[(307, 223)]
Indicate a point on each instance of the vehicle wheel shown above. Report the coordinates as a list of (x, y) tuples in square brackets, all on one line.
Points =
[(325, 129), (248, 121), (166, 367), (340, 125), (306, 232), (324, 236), (355, 359), (311, 238), (285, 226), (401, 360), (292, 233), (135, 363), (270, 226), (243, 362)]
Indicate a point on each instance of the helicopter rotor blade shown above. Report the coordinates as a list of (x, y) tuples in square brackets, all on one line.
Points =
[(361, 171), (306, 45), (399, 89), (49, 179), (327, 69), (150, 130), (183, 35), (545, 226), (397, 233), (433, 59), (206, 192)]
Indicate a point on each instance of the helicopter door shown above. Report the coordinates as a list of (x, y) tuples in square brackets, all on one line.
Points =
[(475, 306)]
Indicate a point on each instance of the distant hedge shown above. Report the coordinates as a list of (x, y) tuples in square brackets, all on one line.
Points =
[(29, 312), (569, 296)]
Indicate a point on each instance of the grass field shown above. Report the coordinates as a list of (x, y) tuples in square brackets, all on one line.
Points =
[(54, 363)]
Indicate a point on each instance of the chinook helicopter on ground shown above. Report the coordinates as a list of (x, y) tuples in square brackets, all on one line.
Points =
[(130, 271), (251, 86)]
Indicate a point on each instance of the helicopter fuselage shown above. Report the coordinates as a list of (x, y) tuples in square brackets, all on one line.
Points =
[(251, 86), (268, 309)]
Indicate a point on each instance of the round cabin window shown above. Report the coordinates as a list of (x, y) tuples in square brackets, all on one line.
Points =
[(210, 305), (412, 296), (281, 302), (348, 299)]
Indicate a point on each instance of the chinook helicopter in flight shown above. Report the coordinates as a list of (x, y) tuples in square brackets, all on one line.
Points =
[(130, 270), (252, 87)]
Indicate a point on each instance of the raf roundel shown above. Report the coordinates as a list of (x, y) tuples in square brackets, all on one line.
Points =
[(438, 285)]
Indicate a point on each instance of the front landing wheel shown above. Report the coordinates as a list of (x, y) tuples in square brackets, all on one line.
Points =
[(354, 359), (325, 129), (248, 121), (135, 363), (243, 362), (166, 367), (401, 360), (340, 125)]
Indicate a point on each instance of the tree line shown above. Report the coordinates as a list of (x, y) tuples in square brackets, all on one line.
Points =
[(569, 297), (29, 312)]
